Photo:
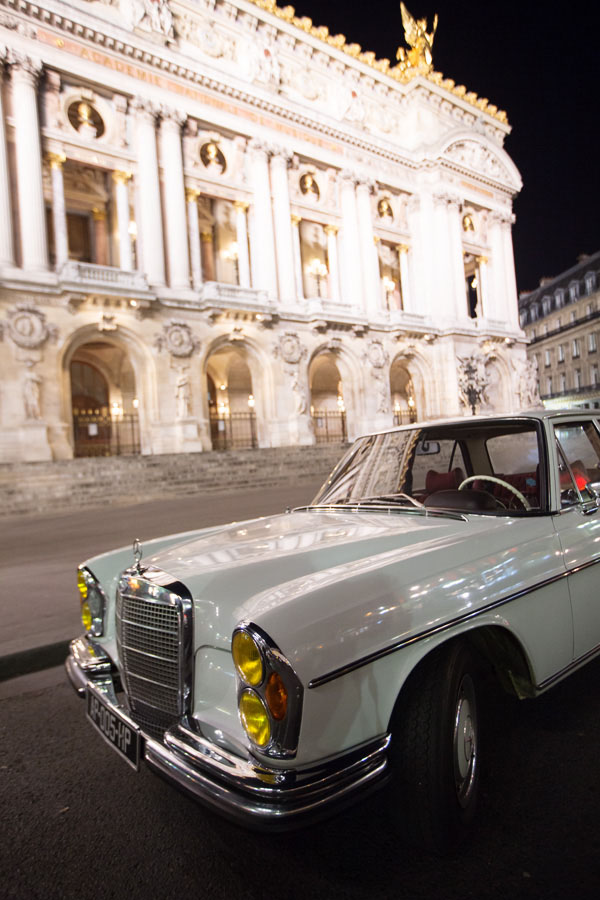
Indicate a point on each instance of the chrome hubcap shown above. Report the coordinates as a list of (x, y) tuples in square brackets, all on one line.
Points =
[(465, 741)]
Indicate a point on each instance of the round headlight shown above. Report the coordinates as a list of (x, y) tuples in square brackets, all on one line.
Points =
[(255, 718), (247, 658)]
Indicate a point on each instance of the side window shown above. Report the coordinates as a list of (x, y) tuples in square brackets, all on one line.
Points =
[(578, 446)]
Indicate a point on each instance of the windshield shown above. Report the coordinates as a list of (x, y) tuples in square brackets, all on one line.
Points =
[(484, 467)]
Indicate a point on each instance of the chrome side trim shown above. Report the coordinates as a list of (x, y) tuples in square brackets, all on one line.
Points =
[(445, 626), (576, 664)]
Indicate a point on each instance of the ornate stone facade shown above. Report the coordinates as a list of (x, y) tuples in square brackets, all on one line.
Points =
[(240, 231)]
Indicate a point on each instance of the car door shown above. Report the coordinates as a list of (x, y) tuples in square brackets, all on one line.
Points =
[(577, 444)]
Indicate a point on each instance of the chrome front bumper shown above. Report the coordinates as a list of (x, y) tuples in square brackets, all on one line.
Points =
[(222, 775)]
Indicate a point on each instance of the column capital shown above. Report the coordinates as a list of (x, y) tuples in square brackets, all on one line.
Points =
[(350, 177), (121, 177), (145, 109), (259, 148), (172, 118), (295, 219), (242, 205), (481, 260), (376, 239), (27, 68), (191, 194), (329, 229), (56, 160), (99, 215), (206, 237), (366, 182), (281, 155), (402, 248)]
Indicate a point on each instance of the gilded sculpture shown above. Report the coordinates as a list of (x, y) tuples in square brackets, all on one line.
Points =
[(419, 58)]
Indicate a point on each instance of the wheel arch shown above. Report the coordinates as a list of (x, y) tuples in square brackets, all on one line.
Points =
[(500, 652)]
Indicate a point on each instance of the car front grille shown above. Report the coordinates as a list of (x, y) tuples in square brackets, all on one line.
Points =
[(153, 633)]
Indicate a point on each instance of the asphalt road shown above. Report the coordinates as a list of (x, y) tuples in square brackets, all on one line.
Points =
[(39, 555), (77, 822)]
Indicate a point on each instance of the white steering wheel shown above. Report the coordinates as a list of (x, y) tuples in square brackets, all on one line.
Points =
[(505, 484)]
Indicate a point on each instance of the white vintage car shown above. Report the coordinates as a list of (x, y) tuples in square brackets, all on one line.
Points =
[(281, 668)]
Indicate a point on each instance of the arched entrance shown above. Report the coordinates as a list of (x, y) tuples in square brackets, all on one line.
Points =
[(104, 402), (231, 400), (403, 394), (327, 406)]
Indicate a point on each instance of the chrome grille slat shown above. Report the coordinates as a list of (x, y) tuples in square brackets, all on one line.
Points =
[(150, 642)]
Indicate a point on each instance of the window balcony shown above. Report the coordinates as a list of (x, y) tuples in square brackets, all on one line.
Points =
[(89, 275)]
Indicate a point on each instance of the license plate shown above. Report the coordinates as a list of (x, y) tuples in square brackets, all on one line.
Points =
[(115, 728)]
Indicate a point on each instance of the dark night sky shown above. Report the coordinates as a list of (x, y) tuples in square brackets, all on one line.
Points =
[(537, 62)]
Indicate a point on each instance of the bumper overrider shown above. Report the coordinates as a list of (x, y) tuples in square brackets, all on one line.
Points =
[(222, 773)]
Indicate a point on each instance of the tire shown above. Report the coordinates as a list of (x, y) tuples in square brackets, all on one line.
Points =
[(435, 750)]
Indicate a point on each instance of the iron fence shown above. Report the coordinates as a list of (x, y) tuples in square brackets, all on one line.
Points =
[(329, 426), (102, 435), (233, 431)]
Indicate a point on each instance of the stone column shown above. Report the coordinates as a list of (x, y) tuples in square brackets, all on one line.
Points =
[(150, 223), (208, 256), (332, 262), (262, 237), (25, 73), (283, 228), (191, 199), (352, 276), (241, 225), (7, 250), (59, 214), (370, 263), (403, 251), (120, 180), (174, 198), (457, 259), (483, 289), (512, 297), (497, 274), (101, 253), (295, 220)]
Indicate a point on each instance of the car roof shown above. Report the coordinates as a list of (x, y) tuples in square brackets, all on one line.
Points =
[(539, 414)]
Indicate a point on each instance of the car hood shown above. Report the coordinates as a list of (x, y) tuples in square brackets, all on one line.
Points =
[(328, 586)]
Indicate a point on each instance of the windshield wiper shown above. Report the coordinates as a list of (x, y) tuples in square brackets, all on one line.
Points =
[(399, 499)]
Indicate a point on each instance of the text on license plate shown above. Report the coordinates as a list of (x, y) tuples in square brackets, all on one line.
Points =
[(120, 734)]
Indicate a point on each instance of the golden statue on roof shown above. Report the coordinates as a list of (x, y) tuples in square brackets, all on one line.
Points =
[(419, 58)]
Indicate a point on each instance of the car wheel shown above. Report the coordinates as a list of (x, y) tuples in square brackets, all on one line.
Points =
[(435, 751)]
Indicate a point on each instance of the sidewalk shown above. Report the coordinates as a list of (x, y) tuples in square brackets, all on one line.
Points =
[(39, 603)]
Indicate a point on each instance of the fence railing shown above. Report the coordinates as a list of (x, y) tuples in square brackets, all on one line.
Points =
[(233, 431), (98, 435), (329, 426)]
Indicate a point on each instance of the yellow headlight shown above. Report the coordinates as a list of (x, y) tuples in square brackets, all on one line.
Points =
[(255, 718), (247, 658), (86, 616), (82, 585)]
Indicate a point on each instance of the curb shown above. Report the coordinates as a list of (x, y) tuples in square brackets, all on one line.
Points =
[(27, 661)]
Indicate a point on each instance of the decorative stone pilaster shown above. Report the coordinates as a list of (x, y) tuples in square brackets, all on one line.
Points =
[(370, 263), (352, 277), (403, 251), (25, 73), (333, 263), (280, 162), (295, 221), (121, 180), (150, 224), (101, 248), (59, 214), (7, 250), (484, 287), (191, 199), (262, 237), (174, 198), (241, 225)]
